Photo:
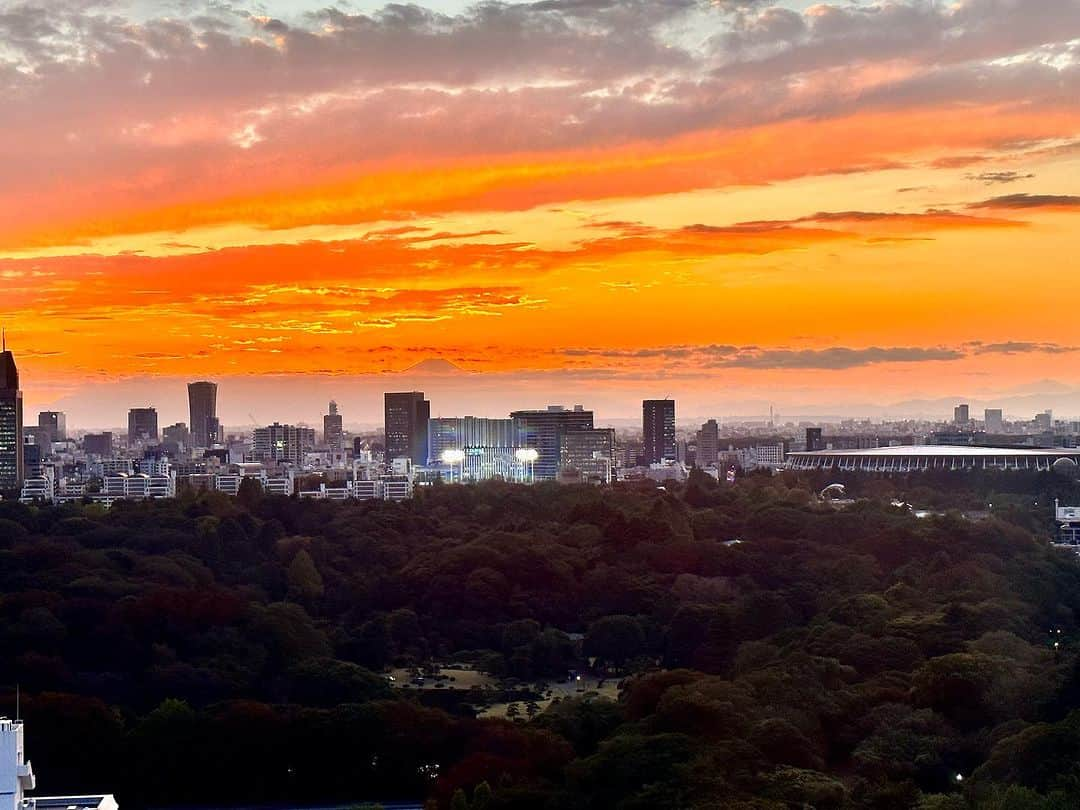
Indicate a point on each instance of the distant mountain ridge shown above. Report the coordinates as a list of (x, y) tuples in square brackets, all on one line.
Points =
[(436, 366)]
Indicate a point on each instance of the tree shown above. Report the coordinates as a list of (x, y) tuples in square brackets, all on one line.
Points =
[(615, 638), (482, 796), (250, 492), (305, 581)]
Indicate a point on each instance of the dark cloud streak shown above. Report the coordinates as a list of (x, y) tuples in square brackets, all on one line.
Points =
[(833, 358), (1026, 201)]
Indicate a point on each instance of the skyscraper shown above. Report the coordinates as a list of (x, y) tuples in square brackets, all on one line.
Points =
[(332, 432), (142, 426), (54, 423), (11, 422), (708, 444), (993, 421), (658, 430), (814, 440), (961, 415), (405, 423), (544, 432), (202, 405)]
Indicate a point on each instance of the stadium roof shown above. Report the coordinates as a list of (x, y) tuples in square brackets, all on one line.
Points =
[(933, 457), (948, 450)]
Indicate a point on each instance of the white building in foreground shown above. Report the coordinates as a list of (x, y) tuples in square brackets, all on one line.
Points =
[(16, 775), (17, 779)]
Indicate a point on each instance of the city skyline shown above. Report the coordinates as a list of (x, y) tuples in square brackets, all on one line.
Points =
[(811, 205), (519, 404), (365, 408)]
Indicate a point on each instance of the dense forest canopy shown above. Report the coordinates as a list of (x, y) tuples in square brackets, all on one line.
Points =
[(774, 651)]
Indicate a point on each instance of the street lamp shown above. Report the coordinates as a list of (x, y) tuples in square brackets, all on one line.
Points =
[(527, 456), (452, 456)]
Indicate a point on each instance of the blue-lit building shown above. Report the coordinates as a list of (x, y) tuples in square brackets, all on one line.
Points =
[(544, 431), (488, 446)]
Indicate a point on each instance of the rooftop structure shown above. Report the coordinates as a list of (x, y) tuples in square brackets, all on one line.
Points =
[(16, 775), (17, 779), (932, 457)]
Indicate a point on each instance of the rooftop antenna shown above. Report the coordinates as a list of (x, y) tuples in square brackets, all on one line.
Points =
[(3, 337)]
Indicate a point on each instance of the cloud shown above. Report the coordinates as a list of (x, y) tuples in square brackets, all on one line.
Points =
[(1028, 201), (832, 358), (221, 107), (882, 223), (1021, 347), (992, 178)]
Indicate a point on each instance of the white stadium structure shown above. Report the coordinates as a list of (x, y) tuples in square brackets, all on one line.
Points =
[(937, 457)]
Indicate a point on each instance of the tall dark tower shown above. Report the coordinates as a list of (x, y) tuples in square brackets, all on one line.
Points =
[(11, 421), (333, 434), (406, 417), (202, 405), (658, 430)]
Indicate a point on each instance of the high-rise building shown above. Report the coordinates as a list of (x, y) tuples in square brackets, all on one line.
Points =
[(543, 431), (177, 434), (333, 435), (142, 426), (98, 444), (629, 454), (814, 440), (590, 452), (708, 444), (489, 445), (1044, 422), (405, 423), (213, 431), (961, 415), (11, 422), (54, 424), (32, 458), (202, 406), (993, 421), (658, 430), (472, 433), (279, 442)]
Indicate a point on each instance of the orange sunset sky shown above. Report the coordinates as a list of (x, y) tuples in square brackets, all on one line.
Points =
[(859, 208)]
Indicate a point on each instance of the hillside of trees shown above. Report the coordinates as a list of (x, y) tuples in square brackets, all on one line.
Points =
[(775, 652)]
